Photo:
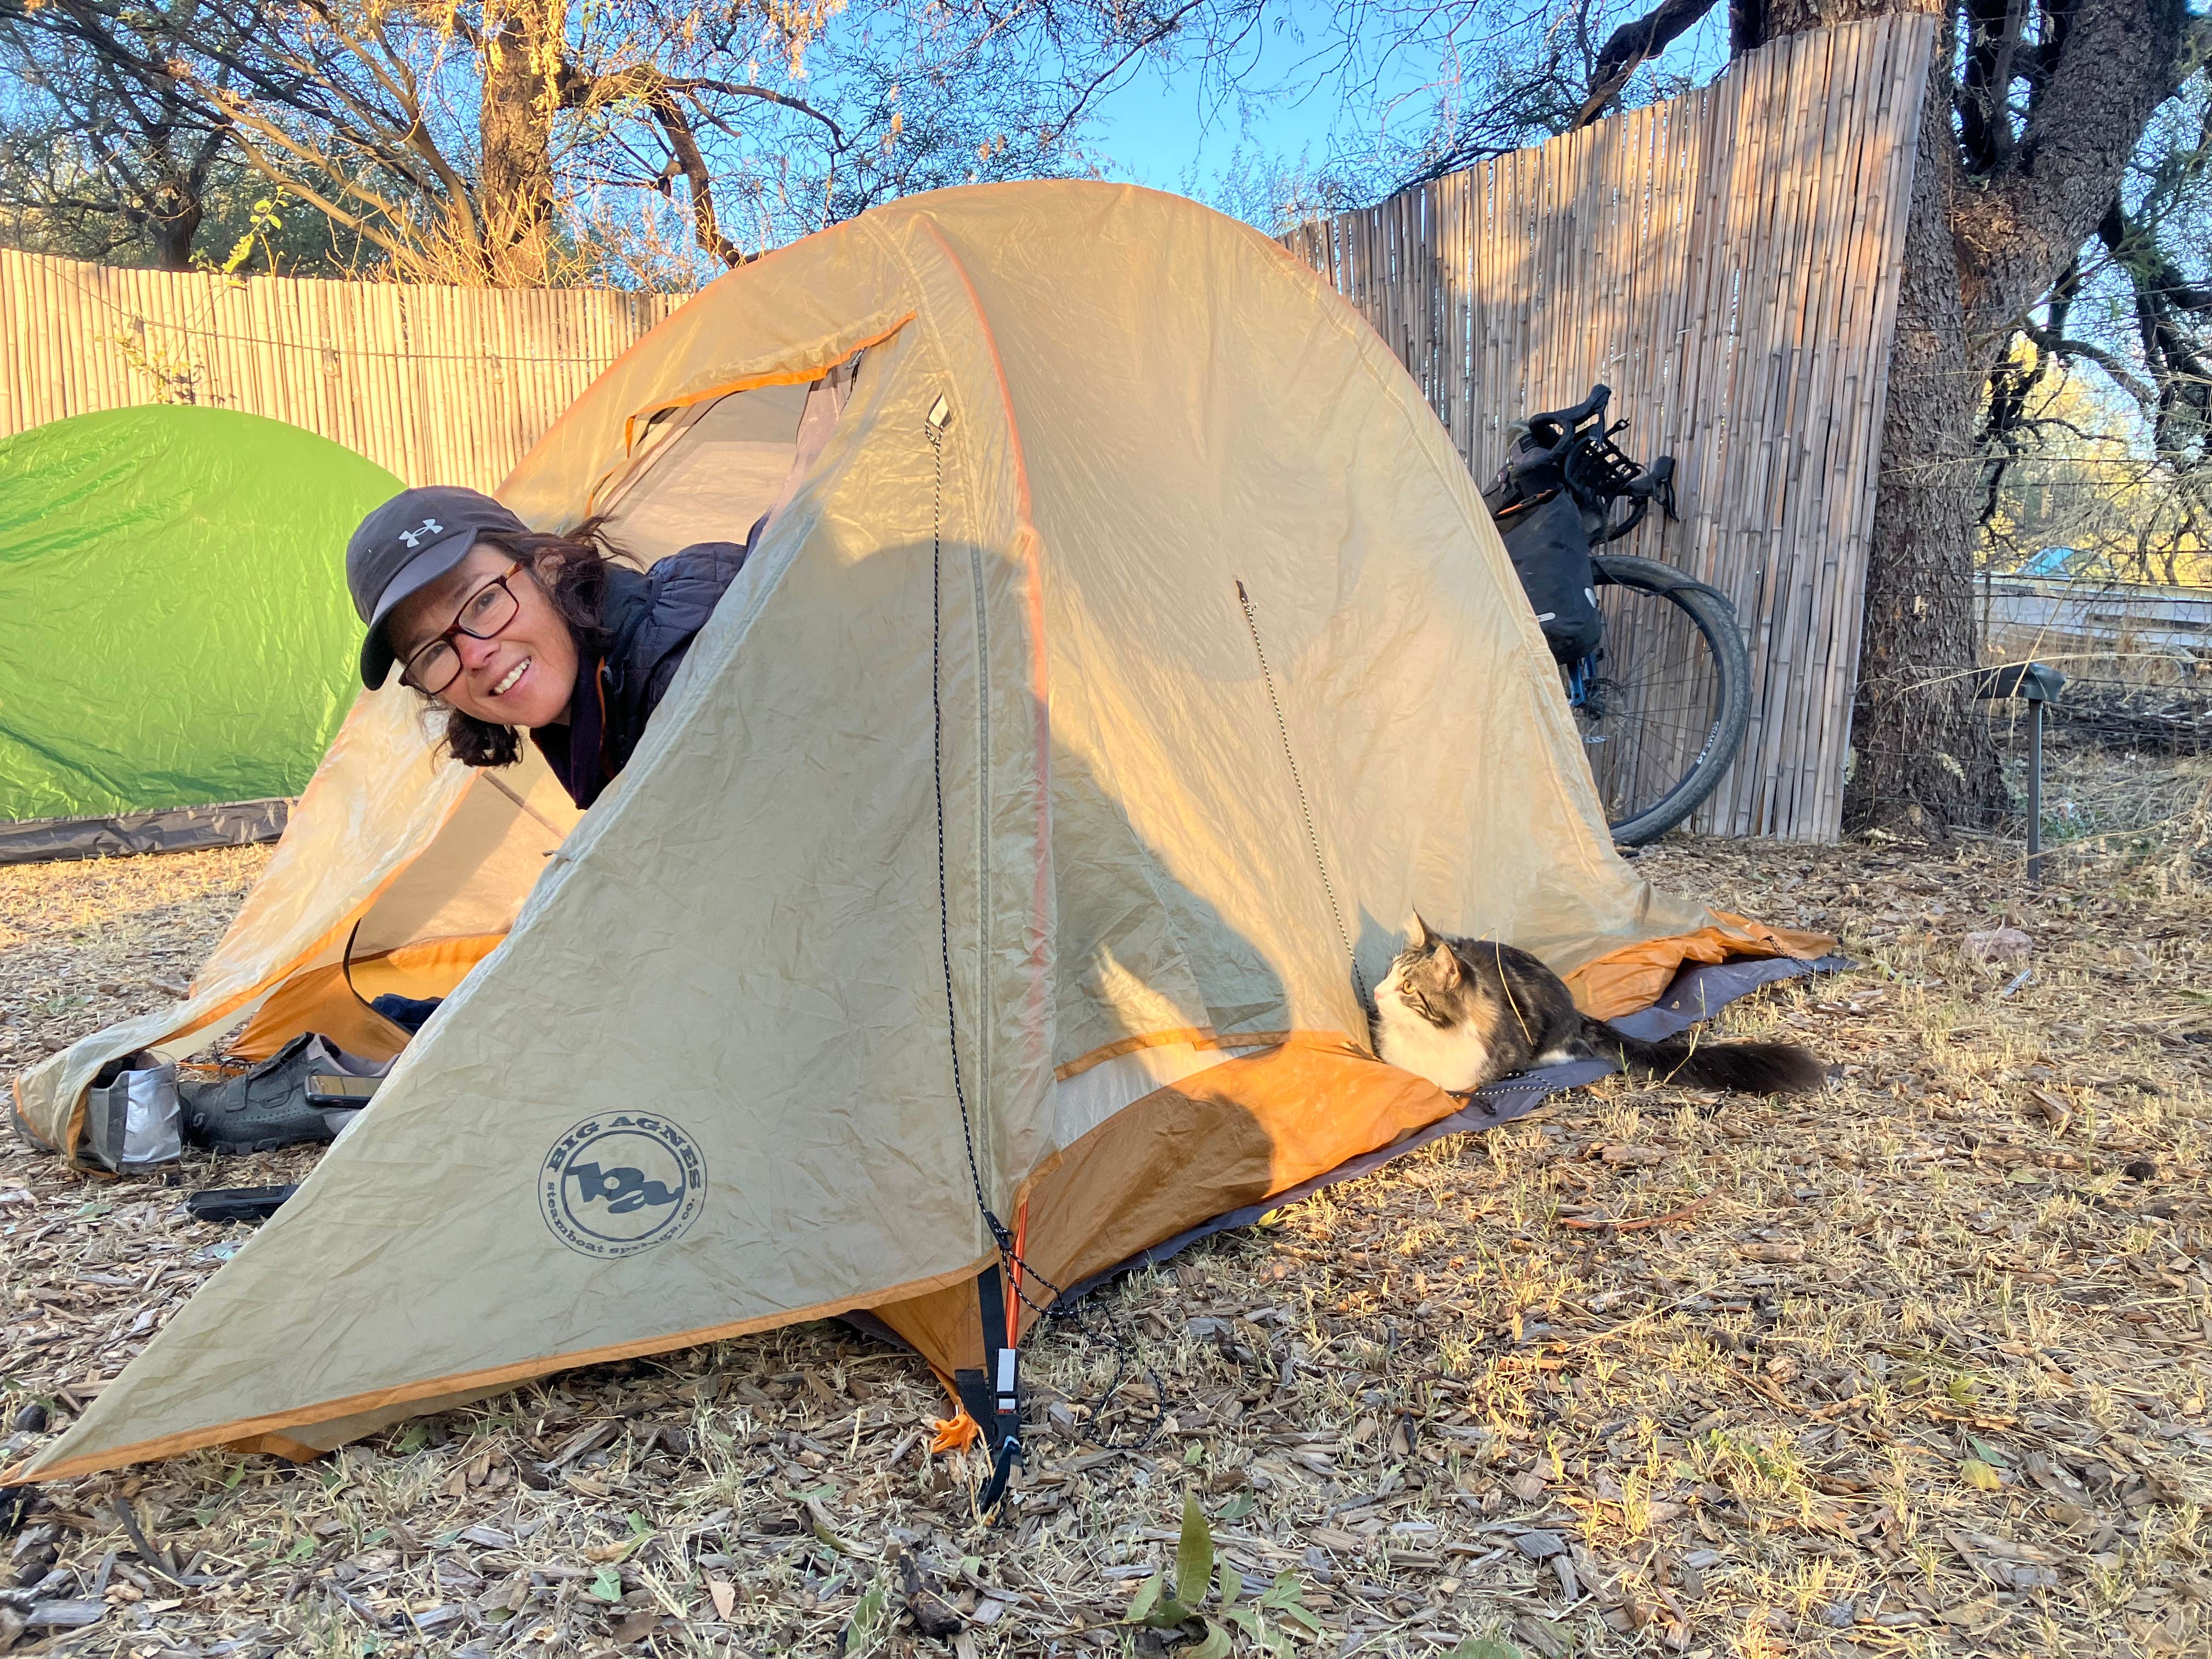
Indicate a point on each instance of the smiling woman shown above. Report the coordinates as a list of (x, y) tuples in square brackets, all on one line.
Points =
[(511, 630)]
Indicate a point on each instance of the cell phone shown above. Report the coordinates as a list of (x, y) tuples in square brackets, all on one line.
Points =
[(238, 1203), (336, 1089)]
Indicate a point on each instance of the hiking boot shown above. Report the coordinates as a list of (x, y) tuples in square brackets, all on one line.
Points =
[(267, 1107)]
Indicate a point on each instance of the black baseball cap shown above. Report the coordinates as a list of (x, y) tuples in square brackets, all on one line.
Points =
[(407, 543)]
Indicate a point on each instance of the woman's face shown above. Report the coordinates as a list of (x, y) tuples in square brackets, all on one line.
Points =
[(524, 674)]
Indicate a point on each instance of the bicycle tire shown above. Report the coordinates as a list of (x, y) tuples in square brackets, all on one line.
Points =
[(1683, 679)]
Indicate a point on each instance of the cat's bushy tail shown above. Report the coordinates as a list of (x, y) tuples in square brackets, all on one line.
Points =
[(1744, 1068)]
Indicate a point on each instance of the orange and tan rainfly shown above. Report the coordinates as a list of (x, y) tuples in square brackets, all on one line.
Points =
[(1117, 585)]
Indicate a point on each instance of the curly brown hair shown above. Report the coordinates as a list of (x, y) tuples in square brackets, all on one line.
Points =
[(572, 569)]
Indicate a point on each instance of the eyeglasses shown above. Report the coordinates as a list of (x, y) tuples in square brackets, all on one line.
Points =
[(436, 664)]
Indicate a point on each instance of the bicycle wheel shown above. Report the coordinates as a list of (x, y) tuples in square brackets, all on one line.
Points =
[(1665, 712)]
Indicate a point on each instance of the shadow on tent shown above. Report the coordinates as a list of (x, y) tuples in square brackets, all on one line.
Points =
[(1192, 1131)]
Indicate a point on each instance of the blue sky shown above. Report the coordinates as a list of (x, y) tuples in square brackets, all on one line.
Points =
[(1172, 132)]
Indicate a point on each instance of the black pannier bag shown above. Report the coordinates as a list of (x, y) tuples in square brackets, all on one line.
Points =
[(1551, 553), (1544, 537)]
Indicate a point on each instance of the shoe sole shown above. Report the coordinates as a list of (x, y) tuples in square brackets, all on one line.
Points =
[(276, 1143)]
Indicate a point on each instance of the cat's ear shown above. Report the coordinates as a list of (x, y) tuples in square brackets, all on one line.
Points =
[(1450, 968), (1421, 937)]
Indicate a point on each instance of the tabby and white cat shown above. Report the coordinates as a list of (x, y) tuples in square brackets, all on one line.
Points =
[(1463, 1012)]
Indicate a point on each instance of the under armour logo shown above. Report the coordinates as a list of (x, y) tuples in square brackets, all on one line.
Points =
[(414, 538)]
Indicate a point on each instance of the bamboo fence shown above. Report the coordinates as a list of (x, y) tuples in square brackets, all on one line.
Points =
[(436, 385), (1727, 262)]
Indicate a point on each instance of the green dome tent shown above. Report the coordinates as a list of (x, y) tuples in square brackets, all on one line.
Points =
[(176, 645)]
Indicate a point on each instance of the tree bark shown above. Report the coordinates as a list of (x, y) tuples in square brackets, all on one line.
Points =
[(171, 227), (514, 195), (1986, 234), (178, 204), (1922, 755)]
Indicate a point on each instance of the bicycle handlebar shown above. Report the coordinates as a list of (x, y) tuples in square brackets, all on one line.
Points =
[(1553, 433), (1595, 471), (1567, 420), (1657, 478), (1656, 483)]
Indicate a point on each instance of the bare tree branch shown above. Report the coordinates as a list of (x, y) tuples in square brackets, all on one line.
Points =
[(1633, 45)]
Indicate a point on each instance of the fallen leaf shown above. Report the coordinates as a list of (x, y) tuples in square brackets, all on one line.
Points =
[(2053, 1110), (1772, 1253), (1982, 1477), (1586, 1224), (725, 1597), (636, 1627)]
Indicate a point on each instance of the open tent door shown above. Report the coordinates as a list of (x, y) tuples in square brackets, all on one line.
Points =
[(439, 916), (717, 463)]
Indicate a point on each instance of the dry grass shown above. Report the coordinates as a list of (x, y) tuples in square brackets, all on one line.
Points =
[(85, 945), (1922, 1370), (2140, 815)]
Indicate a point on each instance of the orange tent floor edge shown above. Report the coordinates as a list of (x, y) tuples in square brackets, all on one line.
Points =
[(1514, 1099), (1636, 975), (270, 1426)]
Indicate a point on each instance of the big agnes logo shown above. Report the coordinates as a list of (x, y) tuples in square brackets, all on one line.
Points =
[(620, 1182)]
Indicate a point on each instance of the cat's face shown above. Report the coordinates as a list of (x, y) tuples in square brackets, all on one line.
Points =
[(1428, 980)]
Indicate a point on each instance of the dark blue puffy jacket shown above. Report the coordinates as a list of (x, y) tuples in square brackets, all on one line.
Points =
[(653, 616)]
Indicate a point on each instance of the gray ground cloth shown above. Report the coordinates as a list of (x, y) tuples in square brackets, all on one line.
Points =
[(1700, 993), (179, 830)]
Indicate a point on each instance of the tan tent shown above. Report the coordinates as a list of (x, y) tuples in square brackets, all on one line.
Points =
[(1119, 587)]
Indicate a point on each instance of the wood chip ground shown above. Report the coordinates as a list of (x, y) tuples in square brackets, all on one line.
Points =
[(1922, 1368)]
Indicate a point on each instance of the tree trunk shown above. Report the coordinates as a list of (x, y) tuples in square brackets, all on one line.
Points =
[(514, 195), (178, 202), (1923, 758), (171, 225), (1980, 249)]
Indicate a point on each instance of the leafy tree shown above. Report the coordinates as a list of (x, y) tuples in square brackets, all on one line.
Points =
[(2133, 312), (102, 151)]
